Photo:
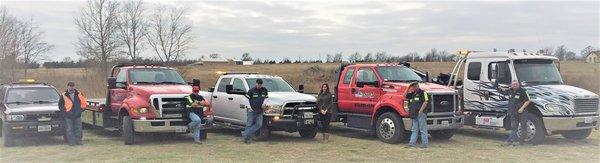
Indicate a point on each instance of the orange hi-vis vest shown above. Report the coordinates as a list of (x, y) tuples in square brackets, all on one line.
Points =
[(69, 103)]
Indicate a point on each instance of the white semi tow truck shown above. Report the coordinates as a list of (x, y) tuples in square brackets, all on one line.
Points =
[(556, 108)]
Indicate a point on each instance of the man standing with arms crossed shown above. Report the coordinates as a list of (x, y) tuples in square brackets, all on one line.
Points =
[(71, 104), (517, 102), (256, 96)]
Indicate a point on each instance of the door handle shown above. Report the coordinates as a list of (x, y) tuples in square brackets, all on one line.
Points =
[(230, 98), (214, 96)]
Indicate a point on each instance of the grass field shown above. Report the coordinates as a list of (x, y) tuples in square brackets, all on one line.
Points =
[(468, 145)]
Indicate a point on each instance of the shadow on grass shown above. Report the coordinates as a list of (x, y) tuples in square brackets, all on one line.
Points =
[(31, 141), (501, 135)]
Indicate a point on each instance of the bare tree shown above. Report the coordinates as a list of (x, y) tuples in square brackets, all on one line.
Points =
[(97, 23), (32, 47), (132, 27), (354, 57), (169, 33), (338, 57)]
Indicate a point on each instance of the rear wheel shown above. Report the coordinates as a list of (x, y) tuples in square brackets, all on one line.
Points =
[(389, 128), (535, 129), (577, 134), (308, 133), (442, 134), (7, 138), (127, 130)]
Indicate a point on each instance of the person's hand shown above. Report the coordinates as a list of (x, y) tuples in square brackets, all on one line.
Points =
[(323, 112), (420, 111), (520, 111)]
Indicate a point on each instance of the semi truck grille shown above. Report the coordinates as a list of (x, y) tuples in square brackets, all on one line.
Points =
[(442, 103), (586, 105), (169, 107)]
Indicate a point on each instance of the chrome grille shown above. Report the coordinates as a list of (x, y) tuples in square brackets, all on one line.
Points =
[(586, 105), (169, 107), (442, 103), (288, 108)]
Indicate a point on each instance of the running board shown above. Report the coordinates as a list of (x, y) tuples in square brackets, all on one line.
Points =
[(228, 125), (345, 126)]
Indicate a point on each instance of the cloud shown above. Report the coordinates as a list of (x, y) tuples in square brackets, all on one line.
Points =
[(280, 29)]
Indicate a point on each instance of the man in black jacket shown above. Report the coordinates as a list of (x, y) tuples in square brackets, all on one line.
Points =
[(71, 104)]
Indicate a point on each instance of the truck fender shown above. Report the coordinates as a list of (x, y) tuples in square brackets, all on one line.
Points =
[(382, 107)]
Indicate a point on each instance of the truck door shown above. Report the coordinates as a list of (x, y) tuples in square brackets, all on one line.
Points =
[(119, 94), (220, 102), (365, 96), (472, 95), (344, 90), (498, 70), (239, 102)]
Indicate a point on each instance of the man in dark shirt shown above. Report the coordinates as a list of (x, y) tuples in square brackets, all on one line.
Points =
[(256, 96), (518, 102), (195, 105), (417, 102)]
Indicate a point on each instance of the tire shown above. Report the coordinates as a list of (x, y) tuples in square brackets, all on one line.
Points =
[(7, 140), (262, 134), (442, 134), (127, 131), (536, 131), (577, 134), (203, 135), (308, 133), (390, 128)]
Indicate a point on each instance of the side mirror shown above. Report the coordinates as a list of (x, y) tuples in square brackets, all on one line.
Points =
[(229, 90), (211, 89), (301, 88), (112, 82)]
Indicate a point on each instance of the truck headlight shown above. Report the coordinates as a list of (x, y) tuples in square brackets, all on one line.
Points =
[(273, 109), (16, 117), (142, 110), (552, 107), (406, 105)]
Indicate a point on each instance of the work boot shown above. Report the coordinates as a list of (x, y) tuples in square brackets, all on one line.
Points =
[(246, 141), (327, 138), (507, 144), (198, 141)]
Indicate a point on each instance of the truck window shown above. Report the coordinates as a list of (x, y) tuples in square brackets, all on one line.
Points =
[(31, 95), (366, 75), (502, 74), (348, 75), (473, 70), (2, 91), (238, 85), (121, 77), (222, 84)]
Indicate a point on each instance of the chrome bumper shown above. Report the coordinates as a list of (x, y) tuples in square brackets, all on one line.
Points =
[(165, 125), (554, 124), (437, 123)]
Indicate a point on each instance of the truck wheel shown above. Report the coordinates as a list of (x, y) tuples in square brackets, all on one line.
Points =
[(262, 134), (536, 133), (203, 135), (6, 138), (577, 134), (442, 134), (127, 132), (308, 133), (389, 129)]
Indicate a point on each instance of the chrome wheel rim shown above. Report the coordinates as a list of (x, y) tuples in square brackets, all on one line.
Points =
[(531, 130), (387, 128)]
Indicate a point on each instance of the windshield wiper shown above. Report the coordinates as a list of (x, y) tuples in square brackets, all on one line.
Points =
[(169, 82), (407, 81), (18, 102), (144, 82), (43, 102)]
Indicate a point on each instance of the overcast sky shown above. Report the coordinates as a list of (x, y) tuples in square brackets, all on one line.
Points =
[(312, 29)]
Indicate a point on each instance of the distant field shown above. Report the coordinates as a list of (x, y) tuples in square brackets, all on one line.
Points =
[(579, 74)]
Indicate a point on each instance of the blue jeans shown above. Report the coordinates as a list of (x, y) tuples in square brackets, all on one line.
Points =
[(515, 119), (253, 123), (419, 125), (194, 125), (74, 130)]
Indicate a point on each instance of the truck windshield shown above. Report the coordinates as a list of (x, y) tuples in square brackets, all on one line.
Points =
[(32, 95), (272, 84), (155, 76), (398, 74), (537, 71)]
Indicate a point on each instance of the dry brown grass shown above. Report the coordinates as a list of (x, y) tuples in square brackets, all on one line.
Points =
[(579, 74)]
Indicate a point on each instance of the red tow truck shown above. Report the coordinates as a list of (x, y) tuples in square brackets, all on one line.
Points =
[(370, 98), (147, 98)]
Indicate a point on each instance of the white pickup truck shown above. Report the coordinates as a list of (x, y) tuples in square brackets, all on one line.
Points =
[(286, 109)]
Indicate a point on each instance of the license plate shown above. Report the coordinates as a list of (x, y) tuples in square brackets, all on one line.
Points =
[(308, 122), (44, 128), (308, 115), (180, 129), (446, 123), (588, 120)]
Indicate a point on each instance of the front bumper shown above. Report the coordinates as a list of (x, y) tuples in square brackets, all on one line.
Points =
[(554, 124), (291, 124), (439, 123), (17, 129), (169, 125)]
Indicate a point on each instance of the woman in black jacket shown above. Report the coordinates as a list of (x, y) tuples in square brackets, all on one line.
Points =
[(324, 103)]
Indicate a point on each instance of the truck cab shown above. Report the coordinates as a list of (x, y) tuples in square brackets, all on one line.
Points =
[(147, 99), (285, 109), (370, 97), (556, 108), (29, 108)]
